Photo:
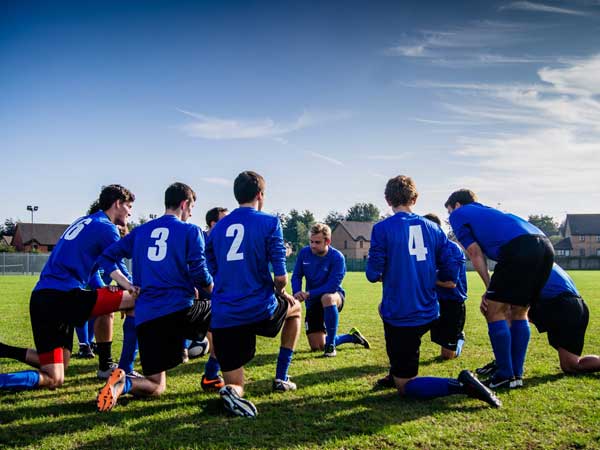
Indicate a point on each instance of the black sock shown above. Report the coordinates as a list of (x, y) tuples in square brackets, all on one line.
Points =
[(8, 351), (103, 349)]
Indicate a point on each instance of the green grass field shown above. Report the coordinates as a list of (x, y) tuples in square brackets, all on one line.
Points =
[(334, 406)]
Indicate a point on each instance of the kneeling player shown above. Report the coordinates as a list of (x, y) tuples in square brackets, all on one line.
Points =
[(324, 268), (168, 264)]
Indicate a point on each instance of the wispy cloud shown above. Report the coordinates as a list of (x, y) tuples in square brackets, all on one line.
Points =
[(217, 180), (540, 7), (390, 157), (216, 128), (326, 158)]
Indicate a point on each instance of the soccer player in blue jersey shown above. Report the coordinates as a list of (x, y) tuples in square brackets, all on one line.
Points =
[(247, 301), (169, 265), (447, 331), (564, 315), (324, 268), (524, 258), (59, 302), (408, 254)]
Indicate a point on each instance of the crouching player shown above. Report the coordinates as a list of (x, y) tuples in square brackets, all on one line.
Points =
[(447, 331), (324, 268), (59, 302), (408, 253), (168, 264)]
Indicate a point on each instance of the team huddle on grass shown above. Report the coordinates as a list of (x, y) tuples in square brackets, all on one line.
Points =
[(228, 285)]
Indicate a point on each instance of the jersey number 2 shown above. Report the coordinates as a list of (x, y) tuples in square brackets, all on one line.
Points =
[(416, 245), (158, 251), (236, 231)]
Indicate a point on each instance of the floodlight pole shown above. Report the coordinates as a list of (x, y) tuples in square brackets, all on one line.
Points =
[(32, 208)]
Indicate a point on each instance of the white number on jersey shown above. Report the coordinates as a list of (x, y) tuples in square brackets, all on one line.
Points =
[(74, 230), (158, 251), (236, 231), (416, 246)]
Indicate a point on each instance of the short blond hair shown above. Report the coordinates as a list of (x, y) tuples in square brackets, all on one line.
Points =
[(321, 228)]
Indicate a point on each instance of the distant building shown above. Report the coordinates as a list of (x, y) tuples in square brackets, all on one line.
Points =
[(41, 237), (353, 239), (581, 236), (6, 240)]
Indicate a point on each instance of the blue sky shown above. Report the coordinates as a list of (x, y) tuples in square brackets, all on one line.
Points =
[(326, 99)]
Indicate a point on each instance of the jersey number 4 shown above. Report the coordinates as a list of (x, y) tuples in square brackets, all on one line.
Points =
[(158, 251), (416, 245), (236, 231)]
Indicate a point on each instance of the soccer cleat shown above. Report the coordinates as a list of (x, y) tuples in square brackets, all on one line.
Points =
[(283, 386), (498, 382), (476, 389), (212, 385), (85, 352), (359, 337), (329, 351), (516, 383), (236, 405), (104, 374), (486, 370), (135, 374), (386, 382), (108, 395)]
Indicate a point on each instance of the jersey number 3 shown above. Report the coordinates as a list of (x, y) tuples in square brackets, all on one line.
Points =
[(236, 231), (158, 251), (416, 245)]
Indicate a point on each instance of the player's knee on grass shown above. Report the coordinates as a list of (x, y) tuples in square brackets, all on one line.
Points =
[(316, 341), (401, 384), (447, 354), (569, 362)]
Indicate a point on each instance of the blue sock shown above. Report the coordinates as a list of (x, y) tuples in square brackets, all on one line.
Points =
[(127, 387), (211, 368), (90, 324), (500, 339), (520, 334), (431, 387), (130, 346), (332, 318), (283, 363), (20, 381), (345, 339), (82, 334), (459, 346)]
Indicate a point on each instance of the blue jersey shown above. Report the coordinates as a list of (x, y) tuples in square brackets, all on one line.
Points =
[(168, 263), (71, 263), (408, 253), (240, 248), (558, 283), (490, 228), (324, 274), (459, 276)]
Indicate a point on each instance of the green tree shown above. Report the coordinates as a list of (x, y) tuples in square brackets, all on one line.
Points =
[(296, 226), (333, 218), (8, 229), (545, 223), (363, 212)]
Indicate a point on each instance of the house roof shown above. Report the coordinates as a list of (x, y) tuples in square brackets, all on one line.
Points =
[(564, 244), (358, 230), (42, 233), (584, 224), (7, 239)]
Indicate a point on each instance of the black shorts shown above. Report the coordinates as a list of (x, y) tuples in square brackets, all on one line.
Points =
[(565, 318), (524, 265), (314, 320), (54, 314), (236, 346), (448, 328), (402, 345), (161, 340)]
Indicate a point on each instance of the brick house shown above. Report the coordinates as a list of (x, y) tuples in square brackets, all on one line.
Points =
[(353, 239), (41, 237), (581, 236)]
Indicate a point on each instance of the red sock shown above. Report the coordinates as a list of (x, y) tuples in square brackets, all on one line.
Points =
[(52, 357), (107, 302)]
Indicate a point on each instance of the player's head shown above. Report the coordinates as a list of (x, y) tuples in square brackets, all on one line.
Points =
[(434, 218), (460, 198), (179, 196), (116, 201), (401, 191), (320, 238), (94, 207), (214, 215), (249, 187)]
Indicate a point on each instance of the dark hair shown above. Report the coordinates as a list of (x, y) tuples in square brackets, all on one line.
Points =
[(177, 193), (434, 218), (400, 190), (213, 214), (247, 185), (462, 196), (94, 207), (111, 193)]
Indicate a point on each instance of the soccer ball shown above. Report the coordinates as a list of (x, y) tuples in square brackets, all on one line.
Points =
[(198, 348)]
